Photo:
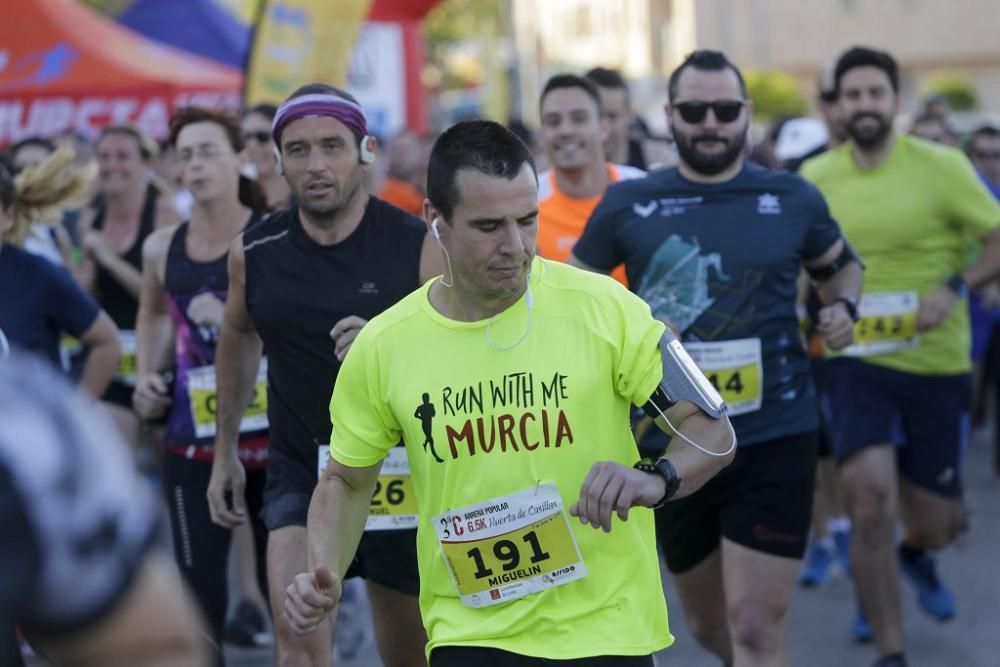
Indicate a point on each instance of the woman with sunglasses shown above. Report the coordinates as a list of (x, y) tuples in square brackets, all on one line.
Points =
[(260, 151)]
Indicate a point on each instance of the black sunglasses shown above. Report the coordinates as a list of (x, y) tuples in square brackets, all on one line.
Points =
[(986, 155), (726, 111), (262, 136)]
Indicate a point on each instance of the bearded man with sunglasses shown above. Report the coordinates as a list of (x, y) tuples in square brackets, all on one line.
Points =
[(715, 246)]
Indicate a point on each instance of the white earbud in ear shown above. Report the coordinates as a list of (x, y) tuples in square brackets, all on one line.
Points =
[(434, 229), (367, 149)]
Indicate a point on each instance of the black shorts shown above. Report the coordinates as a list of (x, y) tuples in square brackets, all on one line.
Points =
[(817, 368), (464, 656), (762, 500), (925, 416), (386, 557), (120, 394)]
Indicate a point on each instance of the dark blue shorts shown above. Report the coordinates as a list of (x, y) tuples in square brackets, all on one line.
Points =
[(925, 416)]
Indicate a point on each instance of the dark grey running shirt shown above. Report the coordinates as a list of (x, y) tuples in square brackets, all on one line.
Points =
[(76, 520)]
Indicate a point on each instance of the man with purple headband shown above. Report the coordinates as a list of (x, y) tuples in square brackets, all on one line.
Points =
[(315, 271)]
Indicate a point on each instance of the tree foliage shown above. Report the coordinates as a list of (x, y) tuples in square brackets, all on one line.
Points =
[(775, 94), (955, 87)]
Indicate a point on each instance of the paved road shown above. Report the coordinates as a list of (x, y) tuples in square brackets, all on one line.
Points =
[(819, 618)]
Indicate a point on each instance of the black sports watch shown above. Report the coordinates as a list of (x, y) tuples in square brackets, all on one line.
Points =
[(665, 469), (851, 307), (956, 283)]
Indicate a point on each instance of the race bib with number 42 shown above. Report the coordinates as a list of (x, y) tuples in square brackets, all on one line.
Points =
[(202, 393), (509, 547), (887, 322)]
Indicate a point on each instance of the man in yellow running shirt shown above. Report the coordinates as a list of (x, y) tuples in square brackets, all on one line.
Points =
[(518, 375), (899, 396)]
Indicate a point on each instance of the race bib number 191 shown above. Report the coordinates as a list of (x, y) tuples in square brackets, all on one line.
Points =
[(509, 547)]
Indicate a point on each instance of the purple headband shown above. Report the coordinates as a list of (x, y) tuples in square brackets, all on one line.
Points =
[(347, 112)]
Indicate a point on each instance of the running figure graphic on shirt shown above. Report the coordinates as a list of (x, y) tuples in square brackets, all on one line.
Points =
[(675, 284), (425, 413)]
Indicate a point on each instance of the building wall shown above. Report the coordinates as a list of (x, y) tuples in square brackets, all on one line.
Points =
[(799, 35)]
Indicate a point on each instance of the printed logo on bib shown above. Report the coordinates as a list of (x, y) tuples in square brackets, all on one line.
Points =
[(125, 372), (735, 370), (202, 394), (393, 505), (887, 323), (509, 547)]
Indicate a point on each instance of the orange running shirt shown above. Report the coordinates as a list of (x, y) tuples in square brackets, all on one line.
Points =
[(561, 219)]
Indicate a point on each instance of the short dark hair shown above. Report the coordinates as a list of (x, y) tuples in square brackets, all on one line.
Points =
[(483, 145), (983, 131), (934, 118), (265, 109), (571, 81), (708, 60), (322, 89), (607, 78), (862, 56), (148, 149), (190, 115)]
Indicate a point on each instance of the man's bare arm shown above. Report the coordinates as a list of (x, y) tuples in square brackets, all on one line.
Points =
[(237, 360)]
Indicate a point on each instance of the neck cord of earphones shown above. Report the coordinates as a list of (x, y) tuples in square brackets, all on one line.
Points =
[(529, 300), (447, 257)]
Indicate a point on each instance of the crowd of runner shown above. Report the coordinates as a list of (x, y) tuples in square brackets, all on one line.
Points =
[(407, 363)]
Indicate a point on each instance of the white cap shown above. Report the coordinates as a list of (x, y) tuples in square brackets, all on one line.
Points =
[(799, 136)]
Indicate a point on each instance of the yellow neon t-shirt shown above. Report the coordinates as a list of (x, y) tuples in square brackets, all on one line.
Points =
[(506, 421), (911, 219)]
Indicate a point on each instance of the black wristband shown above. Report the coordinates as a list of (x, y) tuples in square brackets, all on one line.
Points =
[(665, 469), (852, 309)]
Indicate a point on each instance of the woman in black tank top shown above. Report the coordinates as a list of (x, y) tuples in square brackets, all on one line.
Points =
[(130, 208)]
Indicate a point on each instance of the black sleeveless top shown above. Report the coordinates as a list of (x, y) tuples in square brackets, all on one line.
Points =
[(296, 290), (117, 301), (184, 280)]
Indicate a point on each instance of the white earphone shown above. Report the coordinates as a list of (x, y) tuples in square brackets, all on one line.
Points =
[(366, 150), (434, 229)]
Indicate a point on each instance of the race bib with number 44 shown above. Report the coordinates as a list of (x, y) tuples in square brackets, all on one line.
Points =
[(509, 547), (735, 370)]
